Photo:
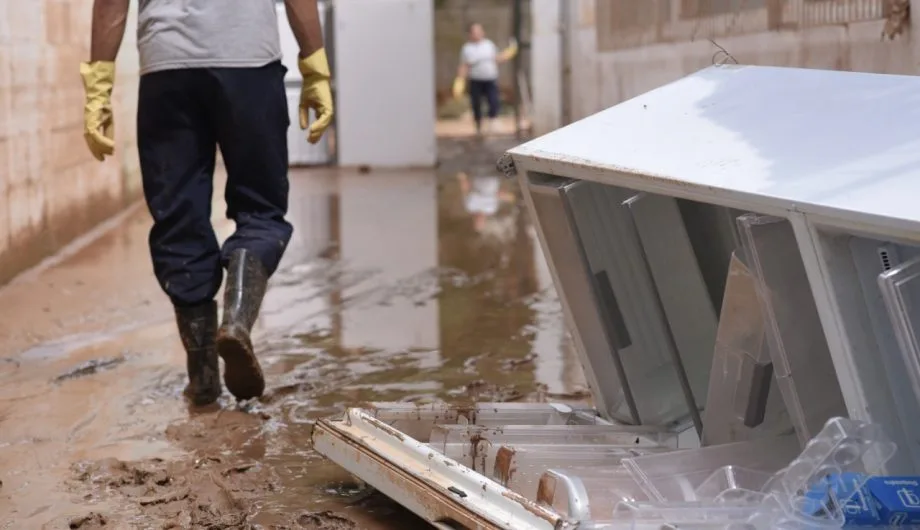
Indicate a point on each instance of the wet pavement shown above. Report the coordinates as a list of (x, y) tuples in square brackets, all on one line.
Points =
[(398, 286)]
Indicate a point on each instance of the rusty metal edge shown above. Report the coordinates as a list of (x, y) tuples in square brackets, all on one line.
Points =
[(415, 485), (446, 508)]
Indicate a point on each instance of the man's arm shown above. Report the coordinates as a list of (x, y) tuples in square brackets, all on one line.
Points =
[(316, 94), (109, 19), (303, 16)]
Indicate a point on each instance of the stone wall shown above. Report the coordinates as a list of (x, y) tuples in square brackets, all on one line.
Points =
[(51, 189)]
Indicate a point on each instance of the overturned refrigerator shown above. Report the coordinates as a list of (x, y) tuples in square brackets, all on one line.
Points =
[(737, 256)]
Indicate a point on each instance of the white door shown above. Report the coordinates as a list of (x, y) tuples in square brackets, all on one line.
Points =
[(300, 151), (384, 52)]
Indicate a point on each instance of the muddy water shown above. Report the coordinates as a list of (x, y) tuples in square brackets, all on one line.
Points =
[(398, 286)]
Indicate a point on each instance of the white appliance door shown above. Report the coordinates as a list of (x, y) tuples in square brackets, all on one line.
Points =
[(384, 57)]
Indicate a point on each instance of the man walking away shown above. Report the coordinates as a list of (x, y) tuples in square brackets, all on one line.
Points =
[(211, 77), (479, 60)]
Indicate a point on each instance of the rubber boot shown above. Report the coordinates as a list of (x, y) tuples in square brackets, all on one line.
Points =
[(198, 331), (243, 292)]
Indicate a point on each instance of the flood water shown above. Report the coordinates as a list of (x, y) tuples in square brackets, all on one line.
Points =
[(418, 286)]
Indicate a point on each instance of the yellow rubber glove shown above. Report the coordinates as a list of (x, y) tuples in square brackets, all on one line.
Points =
[(98, 120), (316, 94), (512, 50), (458, 88)]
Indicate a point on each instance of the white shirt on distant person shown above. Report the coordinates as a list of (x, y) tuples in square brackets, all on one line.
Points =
[(482, 59)]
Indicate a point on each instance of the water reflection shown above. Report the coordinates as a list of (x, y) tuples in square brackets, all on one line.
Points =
[(389, 225), (411, 286), (298, 290)]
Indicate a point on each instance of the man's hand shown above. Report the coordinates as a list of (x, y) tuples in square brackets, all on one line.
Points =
[(316, 94), (109, 19), (98, 120)]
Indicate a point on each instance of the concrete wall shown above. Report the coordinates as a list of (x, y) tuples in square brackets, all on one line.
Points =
[(546, 72), (600, 79), (51, 188)]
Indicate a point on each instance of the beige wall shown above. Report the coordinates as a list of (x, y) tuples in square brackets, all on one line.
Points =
[(601, 79), (51, 188)]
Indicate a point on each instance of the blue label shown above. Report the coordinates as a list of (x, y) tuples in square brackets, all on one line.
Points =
[(897, 498)]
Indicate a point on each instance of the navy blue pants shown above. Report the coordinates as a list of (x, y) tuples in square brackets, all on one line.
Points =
[(480, 90), (183, 116)]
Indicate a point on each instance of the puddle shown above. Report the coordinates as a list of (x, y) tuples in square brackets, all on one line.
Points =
[(396, 287)]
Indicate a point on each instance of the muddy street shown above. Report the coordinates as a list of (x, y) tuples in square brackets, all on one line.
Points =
[(397, 286)]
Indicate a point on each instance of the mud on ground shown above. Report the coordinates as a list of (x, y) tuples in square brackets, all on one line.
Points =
[(392, 290)]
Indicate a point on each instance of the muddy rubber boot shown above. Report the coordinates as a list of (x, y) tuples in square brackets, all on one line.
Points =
[(198, 331), (243, 292)]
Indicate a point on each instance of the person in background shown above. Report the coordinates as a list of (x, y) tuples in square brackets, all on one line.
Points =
[(479, 60), (211, 76)]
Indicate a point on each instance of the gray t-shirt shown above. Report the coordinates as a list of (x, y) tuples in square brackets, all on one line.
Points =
[(174, 34), (481, 57)]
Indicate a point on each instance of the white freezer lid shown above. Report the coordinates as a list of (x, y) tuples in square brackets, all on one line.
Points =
[(841, 145)]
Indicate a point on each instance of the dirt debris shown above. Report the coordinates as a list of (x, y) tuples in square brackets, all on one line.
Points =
[(325, 521), (511, 364), (481, 390), (90, 521), (90, 367), (204, 494)]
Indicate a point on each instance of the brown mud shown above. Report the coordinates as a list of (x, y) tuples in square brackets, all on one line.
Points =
[(392, 290)]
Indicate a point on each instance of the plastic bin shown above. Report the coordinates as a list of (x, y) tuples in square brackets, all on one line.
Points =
[(674, 477)]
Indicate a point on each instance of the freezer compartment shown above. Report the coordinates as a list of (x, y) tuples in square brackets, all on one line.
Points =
[(798, 348), (545, 477), (872, 281), (636, 298), (588, 494), (418, 421), (467, 463), (477, 446), (520, 467)]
